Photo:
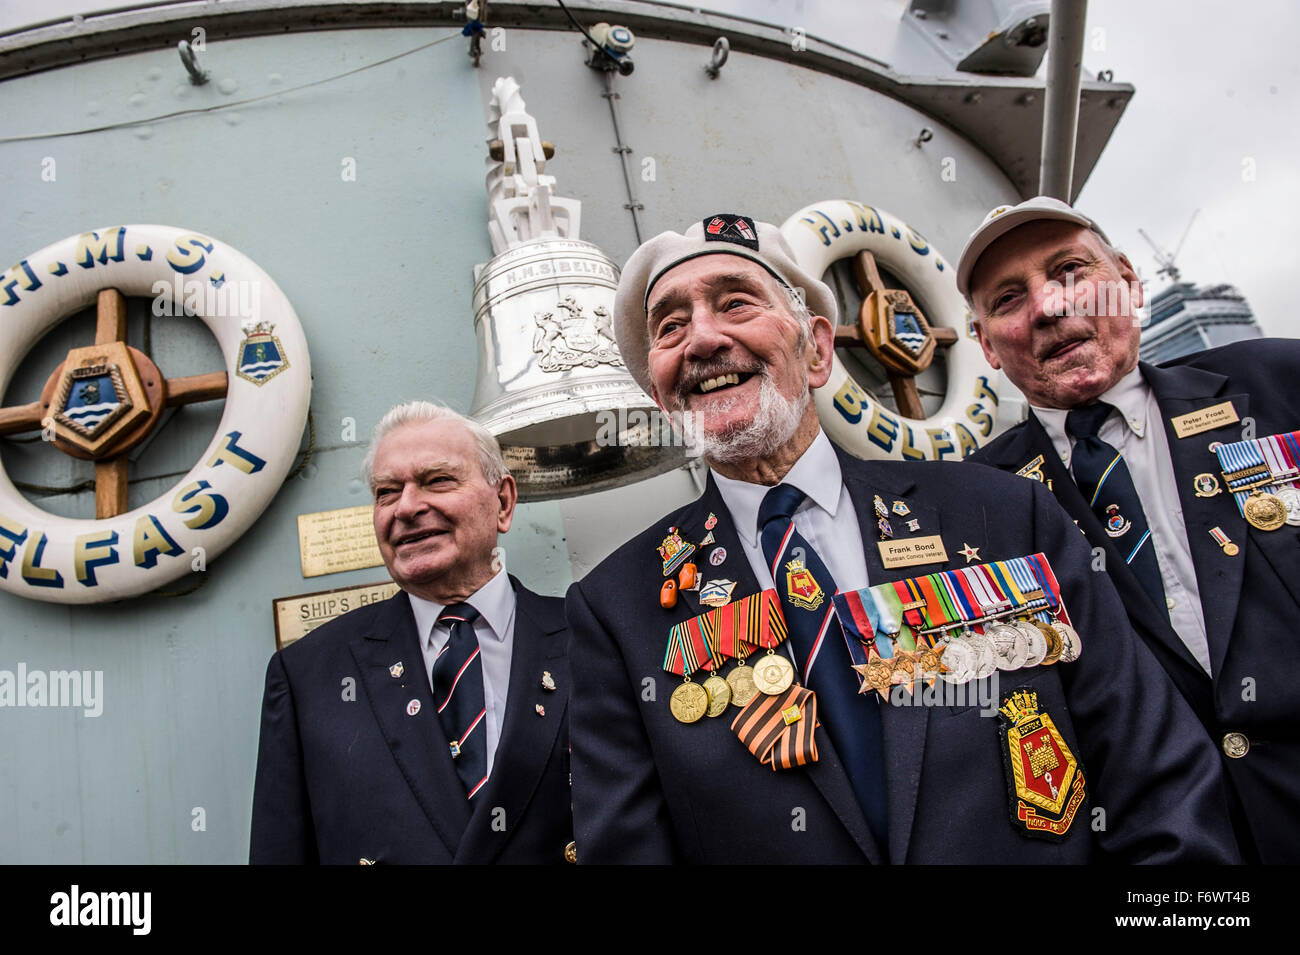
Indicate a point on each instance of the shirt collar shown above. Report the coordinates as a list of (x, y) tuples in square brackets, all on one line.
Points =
[(1128, 395), (494, 601), (816, 473)]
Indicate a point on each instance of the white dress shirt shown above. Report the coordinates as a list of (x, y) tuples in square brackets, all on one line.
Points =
[(826, 518), (1135, 430), (495, 629)]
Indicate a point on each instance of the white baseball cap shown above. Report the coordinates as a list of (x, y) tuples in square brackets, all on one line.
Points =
[(1003, 219)]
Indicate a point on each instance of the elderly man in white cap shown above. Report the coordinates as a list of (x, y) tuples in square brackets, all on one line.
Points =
[(725, 710), (1182, 477)]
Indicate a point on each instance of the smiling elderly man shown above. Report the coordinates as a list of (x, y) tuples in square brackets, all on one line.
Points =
[(431, 727), (1210, 578), (711, 323)]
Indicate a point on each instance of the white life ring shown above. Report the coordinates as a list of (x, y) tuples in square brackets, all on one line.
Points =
[(823, 232), (63, 560)]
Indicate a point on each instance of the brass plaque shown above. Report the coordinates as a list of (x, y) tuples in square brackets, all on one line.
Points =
[(295, 617), (334, 541), (1205, 419), (914, 550)]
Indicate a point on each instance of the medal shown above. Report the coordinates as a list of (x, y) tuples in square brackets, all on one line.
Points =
[(1264, 511), (985, 654), (1009, 645), (1070, 638), (719, 695), (1035, 642), (960, 660), (741, 682), (1055, 646), (1222, 540), (689, 702), (877, 673), (774, 674), (1290, 498)]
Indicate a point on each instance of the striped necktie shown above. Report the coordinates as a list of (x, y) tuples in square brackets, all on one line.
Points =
[(822, 653), (1104, 479), (457, 682)]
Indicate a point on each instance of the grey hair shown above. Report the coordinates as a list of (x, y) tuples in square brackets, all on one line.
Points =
[(490, 461), (802, 314)]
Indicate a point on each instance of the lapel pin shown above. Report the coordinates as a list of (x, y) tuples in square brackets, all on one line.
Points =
[(541, 710), (717, 593), (674, 551), (901, 509), (914, 525), (717, 556), (396, 670), (454, 746), (548, 681), (1222, 540), (1207, 485), (712, 522), (970, 553), (707, 539), (412, 708)]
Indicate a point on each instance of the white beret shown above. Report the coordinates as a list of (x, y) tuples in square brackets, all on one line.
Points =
[(722, 234)]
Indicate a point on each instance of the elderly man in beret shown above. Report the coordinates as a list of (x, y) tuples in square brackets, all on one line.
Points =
[(1182, 475), (748, 735)]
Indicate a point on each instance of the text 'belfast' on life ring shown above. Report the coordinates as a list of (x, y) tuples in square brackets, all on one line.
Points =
[(267, 394), (824, 232)]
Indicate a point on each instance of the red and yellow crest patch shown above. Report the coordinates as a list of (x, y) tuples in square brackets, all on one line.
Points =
[(1044, 778), (802, 586)]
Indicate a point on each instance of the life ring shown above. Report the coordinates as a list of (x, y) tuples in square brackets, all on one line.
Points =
[(820, 234), (268, 391)]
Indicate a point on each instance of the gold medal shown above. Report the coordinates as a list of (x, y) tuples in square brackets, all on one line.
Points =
[(774, 674), (1264, 511), (689, 702), (719, 695), (741, 682), (1055, 645)]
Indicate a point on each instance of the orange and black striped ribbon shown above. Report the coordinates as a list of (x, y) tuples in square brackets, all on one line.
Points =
[(761, 726)]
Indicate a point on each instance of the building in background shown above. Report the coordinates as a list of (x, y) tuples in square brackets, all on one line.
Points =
[(1186, 319)]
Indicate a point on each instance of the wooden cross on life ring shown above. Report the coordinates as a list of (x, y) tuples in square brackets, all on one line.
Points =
[(104, 431), (892, 328)]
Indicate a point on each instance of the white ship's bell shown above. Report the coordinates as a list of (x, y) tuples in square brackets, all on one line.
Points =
[(551, 384)]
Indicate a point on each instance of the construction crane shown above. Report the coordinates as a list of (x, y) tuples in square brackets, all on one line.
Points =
[(1166, 260)]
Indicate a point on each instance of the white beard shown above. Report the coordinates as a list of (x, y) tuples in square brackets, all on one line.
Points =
[(775, 421)]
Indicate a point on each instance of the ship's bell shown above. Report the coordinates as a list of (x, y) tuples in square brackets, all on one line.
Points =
[(551, 384)]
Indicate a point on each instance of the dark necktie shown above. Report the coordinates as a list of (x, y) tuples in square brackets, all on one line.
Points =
[(457, 682), (823, 657), (1104, 479)]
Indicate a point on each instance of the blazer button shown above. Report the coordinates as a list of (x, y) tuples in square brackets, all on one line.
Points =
[(1236, 745), (571, 853)]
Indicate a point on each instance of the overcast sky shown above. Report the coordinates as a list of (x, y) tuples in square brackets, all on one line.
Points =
[(1212, 126)]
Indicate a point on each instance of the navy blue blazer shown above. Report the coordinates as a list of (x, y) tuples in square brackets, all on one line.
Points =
[(650, 789), (345, 776), (1251, 601)]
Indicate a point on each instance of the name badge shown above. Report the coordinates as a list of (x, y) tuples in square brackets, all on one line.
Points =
[(914, 550), (1205, 419)]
